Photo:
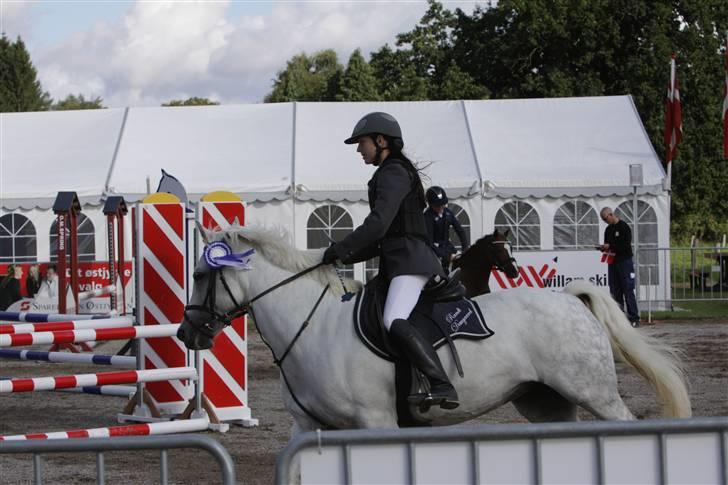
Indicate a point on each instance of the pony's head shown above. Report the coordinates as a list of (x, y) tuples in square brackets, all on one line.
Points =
[(221, 289), (491, 250)]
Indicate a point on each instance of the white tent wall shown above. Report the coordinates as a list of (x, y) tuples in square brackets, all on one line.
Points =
[(285, 160)]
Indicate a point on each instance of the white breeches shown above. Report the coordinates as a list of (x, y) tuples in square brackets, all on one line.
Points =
[(404, 291)]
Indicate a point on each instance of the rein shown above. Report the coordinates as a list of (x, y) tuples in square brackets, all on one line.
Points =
[(240, 310)]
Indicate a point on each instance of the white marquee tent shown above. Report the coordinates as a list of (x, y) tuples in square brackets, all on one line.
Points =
[(493, 157)]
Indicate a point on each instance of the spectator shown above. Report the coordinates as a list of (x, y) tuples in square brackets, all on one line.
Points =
[(438, 221), (621, 278), (10, 286), (49, 286), (32, 282)]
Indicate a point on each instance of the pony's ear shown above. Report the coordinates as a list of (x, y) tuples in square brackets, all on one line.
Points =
[(204, 233), (495, 233), (236, 222), (505, 234)]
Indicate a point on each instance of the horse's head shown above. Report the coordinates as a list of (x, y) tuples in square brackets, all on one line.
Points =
[(491, 250), (219, 294), (221, 291)]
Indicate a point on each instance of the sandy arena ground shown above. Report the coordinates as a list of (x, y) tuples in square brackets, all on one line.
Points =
[(254, 449)]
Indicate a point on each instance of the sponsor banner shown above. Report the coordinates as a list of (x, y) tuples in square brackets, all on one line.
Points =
[(92, 275), (552, 270)]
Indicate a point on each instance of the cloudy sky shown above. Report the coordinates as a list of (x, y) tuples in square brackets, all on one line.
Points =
[(143, 53)]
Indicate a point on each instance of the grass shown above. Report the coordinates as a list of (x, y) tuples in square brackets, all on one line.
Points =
[(693, 310)]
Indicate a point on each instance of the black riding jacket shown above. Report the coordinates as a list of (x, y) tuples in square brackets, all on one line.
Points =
[(394, 230), (619, 238), (438, 232)]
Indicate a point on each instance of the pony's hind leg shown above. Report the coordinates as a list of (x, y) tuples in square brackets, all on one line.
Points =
[(541, 404)]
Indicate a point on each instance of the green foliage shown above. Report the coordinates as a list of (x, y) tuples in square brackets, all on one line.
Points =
[(305, 78), (194, 101), (540, 48), (20, 89), (78, 102), (358, 82)]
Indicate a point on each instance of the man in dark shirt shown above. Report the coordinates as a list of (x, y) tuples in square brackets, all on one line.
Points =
[(438, 221), (618, 244)]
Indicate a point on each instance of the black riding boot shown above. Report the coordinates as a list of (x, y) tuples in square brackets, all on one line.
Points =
[(423, 356)]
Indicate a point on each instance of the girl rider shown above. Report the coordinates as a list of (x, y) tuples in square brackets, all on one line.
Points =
[(395, 231)]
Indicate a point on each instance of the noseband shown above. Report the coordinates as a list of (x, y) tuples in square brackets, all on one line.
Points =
[(499, 264)]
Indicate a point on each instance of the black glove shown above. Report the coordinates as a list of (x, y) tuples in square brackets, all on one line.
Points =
[(330, 255)]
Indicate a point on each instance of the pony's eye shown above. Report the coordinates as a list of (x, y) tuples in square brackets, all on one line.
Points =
[(197, 275)]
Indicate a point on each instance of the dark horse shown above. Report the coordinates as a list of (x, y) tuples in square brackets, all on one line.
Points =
[(476, 263)]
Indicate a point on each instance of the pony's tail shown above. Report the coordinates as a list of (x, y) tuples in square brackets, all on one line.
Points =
[(658, 362)]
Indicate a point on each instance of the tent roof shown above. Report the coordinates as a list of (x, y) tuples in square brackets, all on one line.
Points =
[(42, 153), (561, 146), (510, 148)]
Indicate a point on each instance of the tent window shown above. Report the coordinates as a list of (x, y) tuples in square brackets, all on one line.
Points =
[(326, 223), (464, 221), (17, 239), (523, 221), (86, 239), (647, 227), (576, 226)]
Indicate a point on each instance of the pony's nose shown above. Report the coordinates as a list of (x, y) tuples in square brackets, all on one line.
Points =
[(193, 339)]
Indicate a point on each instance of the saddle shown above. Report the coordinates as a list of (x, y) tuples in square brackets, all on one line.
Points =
[(442, 315)]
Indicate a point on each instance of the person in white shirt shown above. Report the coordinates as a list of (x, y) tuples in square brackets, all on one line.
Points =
[(49, 286)]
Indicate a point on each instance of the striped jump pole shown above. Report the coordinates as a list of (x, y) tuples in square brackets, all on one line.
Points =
[(89, 335), (109, 390), (46, 317), (99, 379), (116, 322), (146, 429), (65, 357)]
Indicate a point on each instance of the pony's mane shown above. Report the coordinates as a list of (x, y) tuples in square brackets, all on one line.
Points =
[(273, 244)]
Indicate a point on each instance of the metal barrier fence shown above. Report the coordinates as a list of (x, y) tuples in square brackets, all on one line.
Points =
[(671, 451), (698, 273), (101, 445)]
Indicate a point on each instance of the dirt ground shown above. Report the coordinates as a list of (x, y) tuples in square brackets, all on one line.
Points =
[(254, 449)]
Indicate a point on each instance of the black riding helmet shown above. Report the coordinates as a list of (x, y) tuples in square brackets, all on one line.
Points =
[(436, 196), (376, 123)]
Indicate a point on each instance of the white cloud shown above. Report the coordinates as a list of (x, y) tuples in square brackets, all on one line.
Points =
[(170, 50)]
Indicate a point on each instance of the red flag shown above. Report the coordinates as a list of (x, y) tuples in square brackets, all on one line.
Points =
[(673, 115), (608, 257), (725, 103)]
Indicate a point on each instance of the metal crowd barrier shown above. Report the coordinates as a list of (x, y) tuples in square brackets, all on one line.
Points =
[(101, 445), (698, 273), (529, 453)]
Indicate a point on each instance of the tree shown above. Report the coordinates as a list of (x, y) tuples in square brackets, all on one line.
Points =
[(358, 82), (305, 78), (20, 89), (423, 66), (194, 101), (72, 102), (540, 48)]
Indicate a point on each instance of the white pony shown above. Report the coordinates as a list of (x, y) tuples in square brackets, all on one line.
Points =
[(551, 352)]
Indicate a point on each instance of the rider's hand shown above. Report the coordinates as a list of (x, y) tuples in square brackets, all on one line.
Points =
[(330, 255)]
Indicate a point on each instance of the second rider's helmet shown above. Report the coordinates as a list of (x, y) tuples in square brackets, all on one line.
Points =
[(436, 196)]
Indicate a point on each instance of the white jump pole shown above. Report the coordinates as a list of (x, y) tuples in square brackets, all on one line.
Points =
[(146, 429), (76, 336), (98, 379), (116, 322), (66, 357)]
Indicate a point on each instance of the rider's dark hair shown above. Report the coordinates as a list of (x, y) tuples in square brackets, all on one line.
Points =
[(395, 151)]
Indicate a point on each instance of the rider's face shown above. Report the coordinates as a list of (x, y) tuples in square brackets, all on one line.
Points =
[(368, 149)]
